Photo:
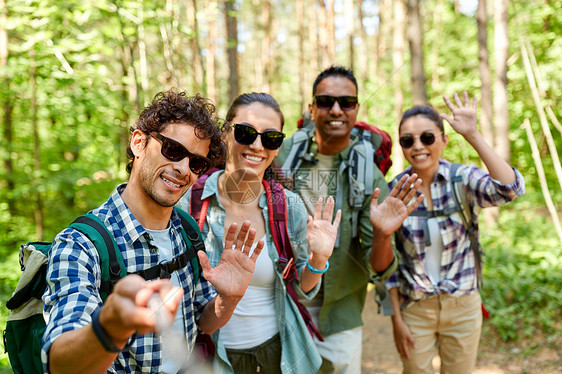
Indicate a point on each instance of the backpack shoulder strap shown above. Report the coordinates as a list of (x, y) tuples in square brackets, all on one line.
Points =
[(277, 210), (360, 174), (458, 190), (195, 203), (277, 213), (298, 152), (112, 264), (194, 242)]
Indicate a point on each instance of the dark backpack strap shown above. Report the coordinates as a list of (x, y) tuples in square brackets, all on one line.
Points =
[(112, 264), (277, 211), (194, 241)]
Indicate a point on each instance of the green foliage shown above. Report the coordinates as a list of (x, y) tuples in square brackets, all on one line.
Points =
[(523, 275)]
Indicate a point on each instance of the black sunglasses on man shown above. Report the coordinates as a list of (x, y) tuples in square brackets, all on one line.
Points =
[(326, 102), (174, 151)]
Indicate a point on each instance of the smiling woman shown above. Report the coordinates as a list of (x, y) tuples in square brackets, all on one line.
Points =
[(267, 331), (434, 293)]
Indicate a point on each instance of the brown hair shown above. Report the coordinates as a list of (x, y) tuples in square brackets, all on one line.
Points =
[(175, 107)]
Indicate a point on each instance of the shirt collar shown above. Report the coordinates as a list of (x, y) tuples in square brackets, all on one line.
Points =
[(211, 186), (343, 155), (125, 219), (443, 172)]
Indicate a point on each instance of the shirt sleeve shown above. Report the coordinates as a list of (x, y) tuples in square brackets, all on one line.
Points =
[(204, 293), (72, 293), (490, 192)]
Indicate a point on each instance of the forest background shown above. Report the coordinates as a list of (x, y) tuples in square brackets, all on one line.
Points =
[(75, 75)]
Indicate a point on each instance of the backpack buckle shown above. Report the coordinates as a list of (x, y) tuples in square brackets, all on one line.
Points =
[(165, 271), (290, 270), (356, 193), (115, 269)]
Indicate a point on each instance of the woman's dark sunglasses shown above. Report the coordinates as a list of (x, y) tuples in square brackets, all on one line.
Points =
[(246, 134), (175, 152), (427, 138), (326, 102)]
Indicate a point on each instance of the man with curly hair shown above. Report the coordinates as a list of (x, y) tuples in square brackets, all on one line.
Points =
[(175, 139)]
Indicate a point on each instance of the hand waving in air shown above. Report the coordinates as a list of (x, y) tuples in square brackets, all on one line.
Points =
[(464, 115), (233, 273), (388, 216), (321, 231)]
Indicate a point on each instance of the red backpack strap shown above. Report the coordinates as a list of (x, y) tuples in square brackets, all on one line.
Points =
[(277, 212), (197, 207)]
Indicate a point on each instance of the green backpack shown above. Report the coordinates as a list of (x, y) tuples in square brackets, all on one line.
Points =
[(26, 325)]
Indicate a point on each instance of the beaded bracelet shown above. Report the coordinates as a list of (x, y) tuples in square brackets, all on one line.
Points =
[(316, 271), (100, 332)]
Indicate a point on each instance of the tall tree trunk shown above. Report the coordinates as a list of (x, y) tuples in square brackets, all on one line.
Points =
[(168, 55), (123, 135), (36, 146), (364, 50), (501, 45), (349, 13), (382, 40), (398, 22), (267, 48), (8, 116), (457, 6), (435, 46), (415, 42), (490, 215), (323, 36), (142, 59), (363, 55), (210, 62), (302, 59), (198, 66), (485, 74), (232, 49), (314, 42), (331, 31), (130, 94)]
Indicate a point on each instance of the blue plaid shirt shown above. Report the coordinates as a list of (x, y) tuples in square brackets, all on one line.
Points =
[(74, 278), (458, 273)]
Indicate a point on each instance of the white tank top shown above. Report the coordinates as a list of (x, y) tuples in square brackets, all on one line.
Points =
[(432, 260), (254, 320)]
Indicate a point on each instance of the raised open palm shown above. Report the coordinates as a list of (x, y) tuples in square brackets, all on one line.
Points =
[(388, 216), (321, 231), (234, 271)]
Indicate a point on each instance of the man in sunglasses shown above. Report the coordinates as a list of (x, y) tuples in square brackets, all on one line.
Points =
[(175, 139), (320, 168)]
